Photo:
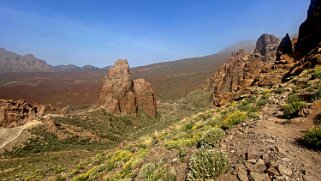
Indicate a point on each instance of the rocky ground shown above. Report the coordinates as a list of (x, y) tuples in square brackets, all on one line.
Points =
[(267, 149)]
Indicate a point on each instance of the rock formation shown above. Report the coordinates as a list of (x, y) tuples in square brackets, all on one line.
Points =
[(285, 47), (266, 47), (310, 30), (308, 46), (15, 113), (145, 98), (122, 95), (242, 70)]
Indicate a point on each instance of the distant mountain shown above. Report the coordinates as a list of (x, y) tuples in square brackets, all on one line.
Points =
[(12, 62), (248, 45), (74, 67)]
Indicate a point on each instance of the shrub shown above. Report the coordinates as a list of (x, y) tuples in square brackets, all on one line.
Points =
[(262, 102), (211, 138), (312, 138), (207, 164), (317, 72), (151, 172), (234, 118), (294, 105)]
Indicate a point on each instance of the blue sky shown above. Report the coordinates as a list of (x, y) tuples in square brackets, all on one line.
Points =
[(98, 32)]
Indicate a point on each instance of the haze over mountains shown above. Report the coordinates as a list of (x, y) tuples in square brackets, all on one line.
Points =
[(13, 62)]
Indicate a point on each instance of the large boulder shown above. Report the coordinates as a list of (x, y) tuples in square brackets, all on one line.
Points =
[(120, 96), (15, 113)]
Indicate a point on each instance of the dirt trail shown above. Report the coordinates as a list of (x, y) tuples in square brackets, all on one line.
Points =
[(268, 149), (9, 134)]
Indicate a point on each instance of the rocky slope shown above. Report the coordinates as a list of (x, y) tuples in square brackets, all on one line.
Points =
[(123, 95), (242, 70), (15, 113)]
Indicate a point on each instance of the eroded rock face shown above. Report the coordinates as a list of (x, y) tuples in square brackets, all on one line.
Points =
[(145, 98), (310, 30), (15, 113), (117, 96), (120, 96), (266, 47), (308, 46), (242, 70)]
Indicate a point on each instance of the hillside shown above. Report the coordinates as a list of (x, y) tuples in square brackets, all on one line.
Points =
[(255, 117), (81, 88), (11, 62)]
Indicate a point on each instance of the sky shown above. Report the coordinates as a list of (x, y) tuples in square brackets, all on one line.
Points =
[(98, 32)]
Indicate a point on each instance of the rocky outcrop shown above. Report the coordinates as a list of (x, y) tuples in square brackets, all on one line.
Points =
[(308, 46), (145, 99), (310, 30), (285, 47), (15, 113), (266, 47), (242, 70), (122, 95)]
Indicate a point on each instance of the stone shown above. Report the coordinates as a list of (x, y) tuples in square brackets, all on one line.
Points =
[(283, 170), (242, 175), (254, 176), (273, 171), (260, 166), (123, 95), (15, 113), (252, 154), (280, 150)]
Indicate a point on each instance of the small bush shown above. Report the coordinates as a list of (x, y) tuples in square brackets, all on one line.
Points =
[(234, 118), (294, 105), (207, 164), (211, 138), (262, 102), (317, 72), (312, 138), (151, 172)]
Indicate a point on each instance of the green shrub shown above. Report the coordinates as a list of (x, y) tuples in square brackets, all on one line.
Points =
[(312, 138), (262, 102), (234, 118), (207, 164), (151, 172), (317, 72), (211, 138), (294, 105)]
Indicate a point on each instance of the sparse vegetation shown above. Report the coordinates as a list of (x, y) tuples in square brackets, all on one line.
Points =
[(233, 118), (312, 138), (159, 171), (294, 105), (211, 138), (207, 164)]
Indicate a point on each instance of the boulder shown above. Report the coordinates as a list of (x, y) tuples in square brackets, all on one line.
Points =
[(15, 113)]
